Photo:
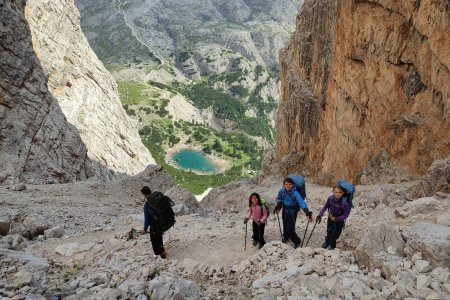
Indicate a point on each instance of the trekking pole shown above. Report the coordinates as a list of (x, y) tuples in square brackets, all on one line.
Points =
[(245, 240), (279, 226), (311, 234), (259, 233), (307, 224)]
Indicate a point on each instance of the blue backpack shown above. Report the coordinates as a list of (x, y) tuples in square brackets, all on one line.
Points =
[(349, 191), (299, 183)]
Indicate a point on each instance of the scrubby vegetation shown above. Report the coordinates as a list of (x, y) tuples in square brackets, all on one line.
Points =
[(148, 101)]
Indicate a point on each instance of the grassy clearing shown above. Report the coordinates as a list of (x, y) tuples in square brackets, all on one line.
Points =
[(133, 92)]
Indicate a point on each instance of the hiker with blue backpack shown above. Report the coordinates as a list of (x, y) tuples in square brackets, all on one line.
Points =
[(291, 201), (258, 213), (338, 206)]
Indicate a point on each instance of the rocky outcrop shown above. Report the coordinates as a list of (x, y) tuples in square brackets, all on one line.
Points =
[(432, 240), (86, 92), (363, 77), (37, 143)]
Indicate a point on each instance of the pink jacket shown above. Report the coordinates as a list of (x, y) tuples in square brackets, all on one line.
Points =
[(257, 213)]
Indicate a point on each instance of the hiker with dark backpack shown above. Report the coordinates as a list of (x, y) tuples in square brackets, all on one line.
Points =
[(338, 210), (291, 201), (258, 212), (158, 216)]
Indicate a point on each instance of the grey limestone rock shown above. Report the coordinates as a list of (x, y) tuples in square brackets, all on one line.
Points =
[(85, 91), (37, 143), (432, 240), (167, 286)]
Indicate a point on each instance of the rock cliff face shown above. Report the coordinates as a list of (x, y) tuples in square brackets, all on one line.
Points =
[(363, 77), (37, 144), (86, 92)]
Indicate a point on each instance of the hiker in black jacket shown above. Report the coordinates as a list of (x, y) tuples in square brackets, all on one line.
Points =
[(156, 234)]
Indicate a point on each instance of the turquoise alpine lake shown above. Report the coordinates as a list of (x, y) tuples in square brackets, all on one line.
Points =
[(188, 159)]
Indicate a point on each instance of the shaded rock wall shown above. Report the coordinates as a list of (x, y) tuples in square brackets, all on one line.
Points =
[(37, 144), (363, 77), (85, 90)]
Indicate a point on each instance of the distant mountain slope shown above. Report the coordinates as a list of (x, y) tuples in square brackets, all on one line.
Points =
[(152, 30), (234, 44)]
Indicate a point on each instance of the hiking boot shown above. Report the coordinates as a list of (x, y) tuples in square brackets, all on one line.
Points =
[(331, 247), (255, 242), (296, 245), (163, 254), (324, 245), (284, 240)]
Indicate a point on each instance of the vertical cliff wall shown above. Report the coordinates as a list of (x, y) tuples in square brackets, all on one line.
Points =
[(37, 144), (85, 90), (362, 79)]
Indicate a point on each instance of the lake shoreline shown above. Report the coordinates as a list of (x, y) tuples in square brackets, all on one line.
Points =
[(221, 164)]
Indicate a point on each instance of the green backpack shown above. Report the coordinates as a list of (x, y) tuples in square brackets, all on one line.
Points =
[(265, 206)]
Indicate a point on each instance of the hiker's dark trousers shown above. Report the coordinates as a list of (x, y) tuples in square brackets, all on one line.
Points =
[(289, 219), (157, 242), (334, 229), (258, 233)]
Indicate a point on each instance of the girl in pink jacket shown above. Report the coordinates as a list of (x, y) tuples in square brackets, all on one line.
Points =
[(258, 213)]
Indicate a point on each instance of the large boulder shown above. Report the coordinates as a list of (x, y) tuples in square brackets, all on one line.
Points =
[(420, 206), (185, 197), (167, 286), (29, 226), (432, 240), (230, 197), (154, 176), (379, 237)]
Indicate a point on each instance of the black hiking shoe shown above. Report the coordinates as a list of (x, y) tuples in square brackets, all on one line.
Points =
[(324, 245), (296, 245), (284, 240), (255, 242), (331, 247)]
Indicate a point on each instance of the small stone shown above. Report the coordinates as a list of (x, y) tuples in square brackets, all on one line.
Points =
[(22, 278), (433, 296), (422, 266), (18, 187), (377, 272), (422, 281), (353, 268), (441, 195), (416, 256), (320, 270)]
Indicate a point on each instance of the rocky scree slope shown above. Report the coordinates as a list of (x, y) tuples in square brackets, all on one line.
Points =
[(364, 79), (77, 246)]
